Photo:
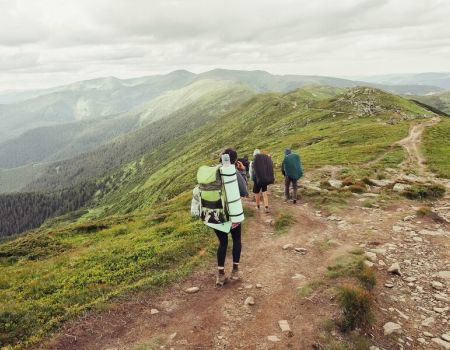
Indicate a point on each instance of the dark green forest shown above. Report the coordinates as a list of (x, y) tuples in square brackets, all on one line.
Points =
[(23, 211)]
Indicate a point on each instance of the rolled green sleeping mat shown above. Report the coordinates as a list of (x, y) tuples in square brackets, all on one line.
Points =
[(233, 197)]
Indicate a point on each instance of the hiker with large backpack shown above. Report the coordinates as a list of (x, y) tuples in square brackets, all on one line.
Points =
[(292, 171), (217, 200), (262, 174)]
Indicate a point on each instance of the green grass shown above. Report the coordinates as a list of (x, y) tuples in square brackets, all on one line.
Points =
[(344, 265), (308, 289), (283, 220), (436, 147), (51, 276)]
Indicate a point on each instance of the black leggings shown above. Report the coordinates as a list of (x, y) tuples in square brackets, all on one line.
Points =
[(223, 244)]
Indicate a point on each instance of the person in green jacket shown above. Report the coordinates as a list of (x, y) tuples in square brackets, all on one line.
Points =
[(292, 171)]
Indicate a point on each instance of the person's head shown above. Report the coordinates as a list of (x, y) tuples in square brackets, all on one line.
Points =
[(256, 151), (287, 151), (232, 153), (266, 152), (245, 157)]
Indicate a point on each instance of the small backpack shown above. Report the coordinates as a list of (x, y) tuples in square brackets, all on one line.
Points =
[(212, 197)]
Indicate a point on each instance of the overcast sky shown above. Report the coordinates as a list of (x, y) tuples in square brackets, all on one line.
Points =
[(50, 42)]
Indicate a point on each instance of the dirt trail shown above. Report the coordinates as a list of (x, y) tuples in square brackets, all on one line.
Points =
[(218, 319), (412, 142)]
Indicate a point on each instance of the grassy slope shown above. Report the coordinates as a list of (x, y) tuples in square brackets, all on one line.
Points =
[(439, 100), (436, 147), (54, 273)]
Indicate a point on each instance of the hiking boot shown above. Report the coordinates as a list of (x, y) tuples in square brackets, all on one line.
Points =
[(235, 276), (294, 201), (267, 210), (258, 207), (220, 279)]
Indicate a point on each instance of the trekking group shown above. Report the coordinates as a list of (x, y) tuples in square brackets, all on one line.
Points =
[(217, 197)]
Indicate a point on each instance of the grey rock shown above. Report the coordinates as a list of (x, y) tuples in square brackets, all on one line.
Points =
[(392, 327), (300, 250), (428, 321), (399, 187), (442, 298), (440, 310), (381, 183), (273, 338), (298, 277), (192, 290), (288, 246), (437, 285), (444, 344), (335, 183), (446, 337), (368, 263), (154, 311), (371, 256), (444, 274), (395, 269), (249, 301), (284, 325)]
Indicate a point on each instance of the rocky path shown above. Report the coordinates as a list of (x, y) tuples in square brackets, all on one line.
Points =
[(412, 142), (265, 311)]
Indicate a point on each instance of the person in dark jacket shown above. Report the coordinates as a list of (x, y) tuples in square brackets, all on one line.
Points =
[(262, 173), (235, 229), (292, 172)]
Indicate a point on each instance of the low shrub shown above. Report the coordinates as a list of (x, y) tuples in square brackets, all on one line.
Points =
[(356, 305), (366, 276), (424, 192)]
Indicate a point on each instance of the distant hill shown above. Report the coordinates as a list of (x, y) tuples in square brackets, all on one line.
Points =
[(85, 100), (440, 80), (439, 100)]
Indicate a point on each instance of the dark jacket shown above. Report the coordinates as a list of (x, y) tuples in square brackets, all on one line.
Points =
[(292, 166)]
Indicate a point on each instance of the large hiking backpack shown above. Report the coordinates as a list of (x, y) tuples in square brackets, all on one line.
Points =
[(263, 168), (292, 166), (212, 198)]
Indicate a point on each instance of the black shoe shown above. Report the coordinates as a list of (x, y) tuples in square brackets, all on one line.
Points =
[(294, 201)]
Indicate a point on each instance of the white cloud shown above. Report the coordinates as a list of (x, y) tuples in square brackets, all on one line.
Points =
[(48, 42)]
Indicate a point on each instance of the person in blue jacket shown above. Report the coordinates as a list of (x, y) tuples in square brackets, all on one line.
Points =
[(292, 171)]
